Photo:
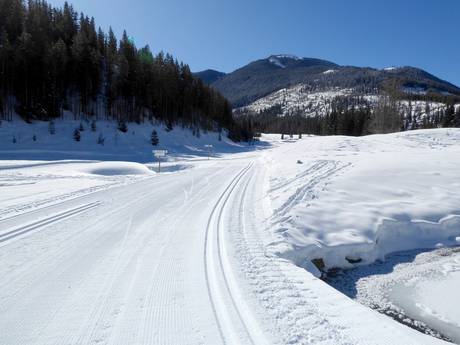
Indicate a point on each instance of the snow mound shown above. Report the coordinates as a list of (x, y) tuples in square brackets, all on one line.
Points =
[(115, 168)]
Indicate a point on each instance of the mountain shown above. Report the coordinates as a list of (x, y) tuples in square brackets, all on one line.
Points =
[(263, 77), (210, 76)]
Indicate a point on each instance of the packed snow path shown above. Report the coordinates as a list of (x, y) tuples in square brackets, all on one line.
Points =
[(141, 264)]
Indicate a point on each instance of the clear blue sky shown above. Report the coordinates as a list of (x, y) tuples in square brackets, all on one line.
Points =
[(225, 35)]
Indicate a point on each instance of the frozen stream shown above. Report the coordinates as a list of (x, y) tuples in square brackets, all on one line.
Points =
[(419, 289)]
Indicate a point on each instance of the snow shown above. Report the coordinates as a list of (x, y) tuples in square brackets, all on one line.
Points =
[(432, 298), (134, 145), (98, 248), (330, 71), (364, 197), (275, 59), (312, 103), (419, 287), (27, 185), (288, 56), (117, 168), (276, 62), (299, 98)]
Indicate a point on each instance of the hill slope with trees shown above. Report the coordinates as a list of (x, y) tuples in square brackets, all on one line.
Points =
[(54, 59)]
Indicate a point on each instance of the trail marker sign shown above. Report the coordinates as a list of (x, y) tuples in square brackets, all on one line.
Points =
[(158, 155), (209, 147)]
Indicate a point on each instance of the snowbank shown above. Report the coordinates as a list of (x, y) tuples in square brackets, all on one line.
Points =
[(354, 200), (116, 168)]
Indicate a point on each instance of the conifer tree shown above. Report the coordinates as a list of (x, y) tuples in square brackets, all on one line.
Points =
[(76, 135), (154, 138)]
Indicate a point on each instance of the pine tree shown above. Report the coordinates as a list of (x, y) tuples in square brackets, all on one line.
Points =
[(93, 126), (101, 139), (51, 128), (122, 126), (154, 138), (76, 135)]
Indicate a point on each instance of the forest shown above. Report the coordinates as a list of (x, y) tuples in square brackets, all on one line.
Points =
[(54, 60), (355, 116)]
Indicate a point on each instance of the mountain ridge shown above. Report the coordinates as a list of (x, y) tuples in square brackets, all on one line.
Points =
[(262, 77)]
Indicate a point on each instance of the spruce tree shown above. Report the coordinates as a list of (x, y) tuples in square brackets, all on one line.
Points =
[(51, 128), (76, 135), (101, 139), (154, 138)]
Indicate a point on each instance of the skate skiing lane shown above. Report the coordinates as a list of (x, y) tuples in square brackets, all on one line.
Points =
[(138, 264)]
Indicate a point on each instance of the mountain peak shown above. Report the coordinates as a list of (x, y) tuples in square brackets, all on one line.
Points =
[(210, 76)]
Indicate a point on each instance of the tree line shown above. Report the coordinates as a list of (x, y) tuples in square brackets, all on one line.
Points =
[(54, 59), (352, 115)]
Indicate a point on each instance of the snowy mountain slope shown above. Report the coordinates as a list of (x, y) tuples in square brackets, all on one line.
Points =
[(300, 99), (265, 76)]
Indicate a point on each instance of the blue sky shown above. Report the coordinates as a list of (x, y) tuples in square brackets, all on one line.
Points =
[(225, 35)]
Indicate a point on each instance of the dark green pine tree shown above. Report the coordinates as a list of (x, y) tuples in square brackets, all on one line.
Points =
[(154, 138), (76, 135)]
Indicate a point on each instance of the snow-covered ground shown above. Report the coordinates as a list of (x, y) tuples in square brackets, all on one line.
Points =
[(17, 141), (344, 199), (418, 288), (213, 251)]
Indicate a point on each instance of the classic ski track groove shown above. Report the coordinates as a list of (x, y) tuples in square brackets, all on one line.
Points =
[(44, 204), (213, 269), (47, 221)]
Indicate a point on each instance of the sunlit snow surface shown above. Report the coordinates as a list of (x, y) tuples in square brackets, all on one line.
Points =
[(342, 197)]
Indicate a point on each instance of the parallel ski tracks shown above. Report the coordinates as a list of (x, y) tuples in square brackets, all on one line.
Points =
[(226, 302), (47, 221)]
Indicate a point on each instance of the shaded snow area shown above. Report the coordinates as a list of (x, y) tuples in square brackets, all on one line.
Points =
[(17, 141), (417, 288), (351, 201)]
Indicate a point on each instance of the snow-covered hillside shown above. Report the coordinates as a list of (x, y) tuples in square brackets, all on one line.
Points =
[(20, 140), (300, 99)]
